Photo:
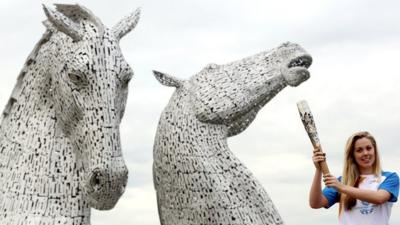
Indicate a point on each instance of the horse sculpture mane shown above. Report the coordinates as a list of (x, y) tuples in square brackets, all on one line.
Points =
[(197, 178), (60, 148)]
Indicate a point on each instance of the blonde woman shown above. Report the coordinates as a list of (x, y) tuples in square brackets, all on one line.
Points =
[(364, 192)]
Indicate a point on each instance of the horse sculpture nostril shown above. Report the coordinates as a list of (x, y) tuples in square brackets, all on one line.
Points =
[(122, 189), (95, 180), (105, 180)]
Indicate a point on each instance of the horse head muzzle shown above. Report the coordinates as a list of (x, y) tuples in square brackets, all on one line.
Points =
[(104, 187)]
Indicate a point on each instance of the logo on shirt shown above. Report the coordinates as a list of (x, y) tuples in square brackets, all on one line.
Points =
[(366, 208)]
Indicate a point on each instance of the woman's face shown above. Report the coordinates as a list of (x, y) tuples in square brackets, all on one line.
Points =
[(364, 154)]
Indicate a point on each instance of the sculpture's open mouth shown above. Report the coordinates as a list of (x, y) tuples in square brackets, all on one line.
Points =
[(301, 61), (297, 70)]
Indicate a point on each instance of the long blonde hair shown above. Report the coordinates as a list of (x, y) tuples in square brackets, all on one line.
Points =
[(351, 173)]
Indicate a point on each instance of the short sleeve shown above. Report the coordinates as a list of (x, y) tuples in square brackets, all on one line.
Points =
[(391, 185), (331, 194)]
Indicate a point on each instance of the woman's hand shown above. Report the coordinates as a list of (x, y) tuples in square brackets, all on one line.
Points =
[(318, 156), (332, 181)]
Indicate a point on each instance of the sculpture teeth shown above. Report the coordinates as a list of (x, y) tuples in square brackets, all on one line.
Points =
[(302, 61)]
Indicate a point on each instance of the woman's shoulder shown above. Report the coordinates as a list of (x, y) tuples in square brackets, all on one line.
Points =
[(390, 183), (389, 174), (391, 177)]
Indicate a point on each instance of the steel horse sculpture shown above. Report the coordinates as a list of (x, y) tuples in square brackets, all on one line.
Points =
[(60, 150), (197, 178)]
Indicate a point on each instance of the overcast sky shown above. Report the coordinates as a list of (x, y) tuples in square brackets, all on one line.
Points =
[(354, 84)]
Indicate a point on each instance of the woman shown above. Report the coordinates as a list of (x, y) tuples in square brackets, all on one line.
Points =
[(365, 193)]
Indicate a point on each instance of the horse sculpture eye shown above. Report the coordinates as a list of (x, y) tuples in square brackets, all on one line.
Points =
[(77, 79)]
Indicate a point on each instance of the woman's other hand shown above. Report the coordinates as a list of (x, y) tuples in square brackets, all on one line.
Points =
[(332, 181)]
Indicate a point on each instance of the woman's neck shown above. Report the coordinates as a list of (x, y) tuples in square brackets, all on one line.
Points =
[(366, 171)]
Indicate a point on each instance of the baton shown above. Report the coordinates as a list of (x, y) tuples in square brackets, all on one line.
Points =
[(309, 125)]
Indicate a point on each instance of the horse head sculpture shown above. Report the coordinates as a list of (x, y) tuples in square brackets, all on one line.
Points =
[(197, 178), (89, 89), (64, 115)]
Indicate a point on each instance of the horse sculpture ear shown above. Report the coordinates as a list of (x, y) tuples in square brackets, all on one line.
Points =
[(126, 24), (63, 23), (167, 80)]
